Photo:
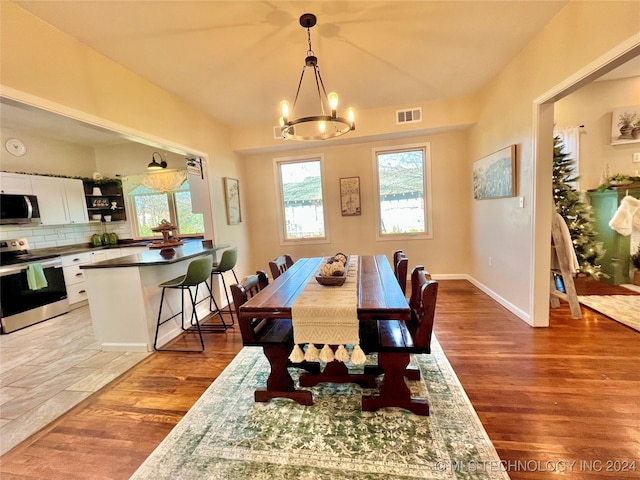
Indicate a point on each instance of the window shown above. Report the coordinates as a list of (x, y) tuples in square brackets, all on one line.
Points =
[(151, 207), (403, 191), (302, 215)]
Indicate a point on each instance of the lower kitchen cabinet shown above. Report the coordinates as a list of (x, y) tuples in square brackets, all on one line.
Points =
[(74, 277)]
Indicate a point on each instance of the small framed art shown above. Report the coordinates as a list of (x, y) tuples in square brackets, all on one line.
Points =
[(232, 199), (350, 196)]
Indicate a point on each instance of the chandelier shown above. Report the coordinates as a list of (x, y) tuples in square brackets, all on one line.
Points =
[(316, 127)]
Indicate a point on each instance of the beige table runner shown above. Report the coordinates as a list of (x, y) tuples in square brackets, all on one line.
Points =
[(328, 316)]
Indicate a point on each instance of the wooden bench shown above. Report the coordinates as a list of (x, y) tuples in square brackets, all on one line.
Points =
[(396, 340), (275, 336)]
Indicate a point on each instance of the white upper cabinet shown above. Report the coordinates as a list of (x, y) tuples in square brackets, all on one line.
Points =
[(61, 200), (15, 183), (76, 203)]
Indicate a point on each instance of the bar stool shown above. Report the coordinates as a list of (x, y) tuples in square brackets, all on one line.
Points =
[(197, 272), (227, 262)]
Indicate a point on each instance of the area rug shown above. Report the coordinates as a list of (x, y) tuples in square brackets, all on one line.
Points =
[(226, 435), (621, 308)]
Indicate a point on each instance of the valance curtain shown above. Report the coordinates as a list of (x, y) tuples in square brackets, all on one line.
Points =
[(570, 138), (160, 182)]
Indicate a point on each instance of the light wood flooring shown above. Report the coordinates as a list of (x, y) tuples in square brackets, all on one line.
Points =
[(567, 393), (48, 368)]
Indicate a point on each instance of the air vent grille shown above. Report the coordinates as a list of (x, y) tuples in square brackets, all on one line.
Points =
[(412, 115)]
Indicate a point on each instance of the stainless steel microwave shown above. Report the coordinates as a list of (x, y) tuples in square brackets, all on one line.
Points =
[(19, 209)]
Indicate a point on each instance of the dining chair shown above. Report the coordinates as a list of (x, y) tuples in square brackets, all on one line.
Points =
[(280, 265), (197, 273), (241, 293), (400, 267)]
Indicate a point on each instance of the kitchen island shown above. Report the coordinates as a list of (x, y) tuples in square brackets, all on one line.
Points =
[(124, 296)]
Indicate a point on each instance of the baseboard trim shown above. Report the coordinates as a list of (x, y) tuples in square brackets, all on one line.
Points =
[(502, 301), (125, 347)]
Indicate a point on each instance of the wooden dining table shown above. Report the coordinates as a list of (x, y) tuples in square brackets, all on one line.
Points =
[(379, 297)]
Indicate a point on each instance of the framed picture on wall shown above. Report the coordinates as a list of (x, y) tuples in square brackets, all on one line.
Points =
[(494, 176), (350, 196), (232, 200), (625, 125)]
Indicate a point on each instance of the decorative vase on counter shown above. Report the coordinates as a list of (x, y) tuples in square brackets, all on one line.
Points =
[(96, 240)]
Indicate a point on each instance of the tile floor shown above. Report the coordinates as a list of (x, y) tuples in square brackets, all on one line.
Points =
[(48, 368)]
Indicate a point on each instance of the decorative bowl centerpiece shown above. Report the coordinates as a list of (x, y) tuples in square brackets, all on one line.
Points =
[(166, 243), (333, 272)]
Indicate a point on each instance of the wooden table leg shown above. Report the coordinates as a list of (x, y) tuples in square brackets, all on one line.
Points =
[(280, 384), (394, 391)]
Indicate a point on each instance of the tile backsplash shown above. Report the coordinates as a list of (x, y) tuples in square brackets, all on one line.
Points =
[(48, 236)]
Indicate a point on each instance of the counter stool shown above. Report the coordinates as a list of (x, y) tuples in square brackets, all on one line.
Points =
[(197, 272), (227, 262)]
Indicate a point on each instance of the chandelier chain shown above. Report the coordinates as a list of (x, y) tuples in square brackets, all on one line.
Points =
[(310, 51)]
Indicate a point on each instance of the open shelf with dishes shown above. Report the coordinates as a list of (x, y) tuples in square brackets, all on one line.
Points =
[(105, 201)]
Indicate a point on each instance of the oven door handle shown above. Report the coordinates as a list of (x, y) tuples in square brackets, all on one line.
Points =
[(13, 269)]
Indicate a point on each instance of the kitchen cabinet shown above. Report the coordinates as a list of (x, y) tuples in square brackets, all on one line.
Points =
[(74, 277), (617, 259), (74, 195), (61, 200), (105, 199), (15, 183)]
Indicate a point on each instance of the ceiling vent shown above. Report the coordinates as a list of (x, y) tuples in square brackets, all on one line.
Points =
[(413, 115), (277, 133)]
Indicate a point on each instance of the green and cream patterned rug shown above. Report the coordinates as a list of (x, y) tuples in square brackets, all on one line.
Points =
[(226, 435)]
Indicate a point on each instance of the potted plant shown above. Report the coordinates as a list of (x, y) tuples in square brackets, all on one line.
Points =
[(620, 179), (625, 122), (635, 259), (635, 132)]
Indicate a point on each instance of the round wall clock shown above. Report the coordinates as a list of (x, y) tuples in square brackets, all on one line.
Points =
[(15, 147)]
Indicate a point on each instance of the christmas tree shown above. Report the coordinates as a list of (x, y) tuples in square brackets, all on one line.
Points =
[(577, 214)]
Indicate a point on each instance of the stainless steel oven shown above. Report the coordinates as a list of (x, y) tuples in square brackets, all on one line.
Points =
[(24, 302)]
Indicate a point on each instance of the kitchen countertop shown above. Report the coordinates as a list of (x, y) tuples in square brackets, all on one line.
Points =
[(87, 247), (153, 257)]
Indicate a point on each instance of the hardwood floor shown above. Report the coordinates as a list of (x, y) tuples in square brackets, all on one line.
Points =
[(570, 392)]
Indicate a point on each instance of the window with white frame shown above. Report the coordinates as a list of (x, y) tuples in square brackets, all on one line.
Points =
[(150, 207), (300, 189), (403, 193)]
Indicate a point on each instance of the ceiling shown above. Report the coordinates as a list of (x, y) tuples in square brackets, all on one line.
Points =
[(237, 60)]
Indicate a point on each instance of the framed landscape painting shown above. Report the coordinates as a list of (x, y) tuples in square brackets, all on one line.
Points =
[(232, 198), (494, 176)]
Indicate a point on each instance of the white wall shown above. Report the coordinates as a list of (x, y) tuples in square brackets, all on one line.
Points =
[(592, 107), (46, 156), (446, 253), (46, 68), (580, 34), (132, 159)]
